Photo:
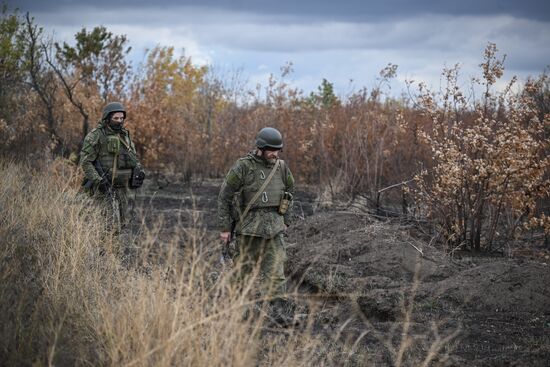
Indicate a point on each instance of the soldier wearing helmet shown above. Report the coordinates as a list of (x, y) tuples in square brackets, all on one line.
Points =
[(110, 164), (253, 206)]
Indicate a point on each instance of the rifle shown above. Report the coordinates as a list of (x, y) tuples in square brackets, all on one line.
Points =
[(104, 175), (229, 249)]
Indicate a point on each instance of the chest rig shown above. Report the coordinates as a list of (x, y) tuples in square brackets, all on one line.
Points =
[(272, 194), (117, 157)]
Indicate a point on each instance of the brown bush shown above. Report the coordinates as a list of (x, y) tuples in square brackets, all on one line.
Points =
[(489, 167)]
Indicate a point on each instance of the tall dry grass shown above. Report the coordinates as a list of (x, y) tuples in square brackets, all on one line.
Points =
[(66, 298)]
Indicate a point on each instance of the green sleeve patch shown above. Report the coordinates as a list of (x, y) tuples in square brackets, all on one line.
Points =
[(290, 179), (91, 140), (236, 174), (233, 179)]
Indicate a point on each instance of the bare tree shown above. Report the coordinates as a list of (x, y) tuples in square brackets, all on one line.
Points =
[(41, 77), (95, 64)]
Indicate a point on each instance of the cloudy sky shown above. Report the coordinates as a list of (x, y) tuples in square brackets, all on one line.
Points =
[(346, 41)]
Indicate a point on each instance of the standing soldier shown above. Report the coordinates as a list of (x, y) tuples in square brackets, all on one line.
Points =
[(109, 161), (253, 204)]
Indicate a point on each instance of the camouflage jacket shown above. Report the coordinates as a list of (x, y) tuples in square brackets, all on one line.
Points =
[(104, 144), (243, 180)]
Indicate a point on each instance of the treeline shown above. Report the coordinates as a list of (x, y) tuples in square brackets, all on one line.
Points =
[(477, 165)]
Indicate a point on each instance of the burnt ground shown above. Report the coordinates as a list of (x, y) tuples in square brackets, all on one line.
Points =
[(379, 285)]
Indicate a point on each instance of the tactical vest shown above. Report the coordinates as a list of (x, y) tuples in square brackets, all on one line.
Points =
[(255, 178), (115, 145)]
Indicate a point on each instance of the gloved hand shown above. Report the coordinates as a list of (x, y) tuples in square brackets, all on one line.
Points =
[(103, 185), (137, 178)]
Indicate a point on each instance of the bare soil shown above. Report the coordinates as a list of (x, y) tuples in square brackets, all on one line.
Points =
[(373, 283)]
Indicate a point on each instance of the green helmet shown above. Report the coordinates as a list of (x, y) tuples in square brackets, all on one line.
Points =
[(113, 107), (269, 137)]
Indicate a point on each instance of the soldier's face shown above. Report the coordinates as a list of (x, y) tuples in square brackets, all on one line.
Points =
[(271, 155), (117, 119)]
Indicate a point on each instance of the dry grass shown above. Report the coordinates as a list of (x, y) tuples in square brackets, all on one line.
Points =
[(68, 298)]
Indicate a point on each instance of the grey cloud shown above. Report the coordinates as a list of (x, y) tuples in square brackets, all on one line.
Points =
[(337, 40), (269, 33), (444, 34), (349, 10)]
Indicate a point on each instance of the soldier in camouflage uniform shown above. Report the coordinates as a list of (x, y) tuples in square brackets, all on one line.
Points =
[(259, 231), (109, 161)]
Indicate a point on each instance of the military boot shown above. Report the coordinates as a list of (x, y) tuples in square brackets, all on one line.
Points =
[(282, 312)]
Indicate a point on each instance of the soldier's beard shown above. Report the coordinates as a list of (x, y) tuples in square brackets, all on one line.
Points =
[(271, 159), (115, 126)]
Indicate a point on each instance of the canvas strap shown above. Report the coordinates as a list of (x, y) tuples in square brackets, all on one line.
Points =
[(259, 192)]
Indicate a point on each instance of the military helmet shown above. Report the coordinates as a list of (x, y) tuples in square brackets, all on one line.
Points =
[(111, 108), (269, 137)]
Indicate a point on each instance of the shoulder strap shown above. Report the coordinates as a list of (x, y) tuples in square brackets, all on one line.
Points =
[(259, 192), (126, 145), (283, 172)]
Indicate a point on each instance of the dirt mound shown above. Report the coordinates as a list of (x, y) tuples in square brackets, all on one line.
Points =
[(344, 252), (501, 306), (499, 286), (352, 255), (347, 252)]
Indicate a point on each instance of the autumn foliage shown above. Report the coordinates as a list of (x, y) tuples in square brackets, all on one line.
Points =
[(477, 166), (490, 163)]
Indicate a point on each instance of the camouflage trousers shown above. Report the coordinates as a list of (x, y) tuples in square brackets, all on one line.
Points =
[(114, 208), (269, 256)]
